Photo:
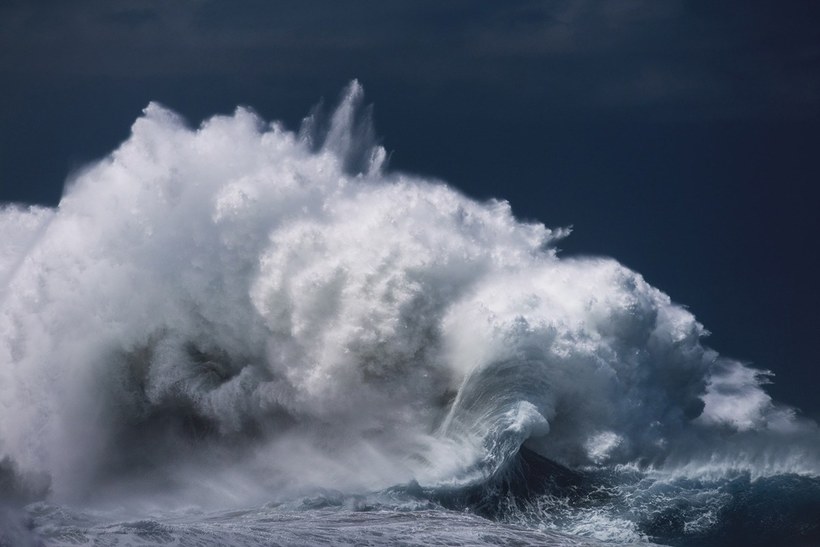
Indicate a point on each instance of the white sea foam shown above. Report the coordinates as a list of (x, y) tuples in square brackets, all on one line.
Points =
[(236, 307)]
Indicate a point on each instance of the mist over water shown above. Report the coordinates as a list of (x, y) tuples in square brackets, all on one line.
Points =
[(232, 313)]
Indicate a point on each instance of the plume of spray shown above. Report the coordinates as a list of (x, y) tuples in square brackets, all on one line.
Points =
[(277, 311)]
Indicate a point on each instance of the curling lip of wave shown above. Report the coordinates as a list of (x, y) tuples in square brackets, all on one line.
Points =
[(280, 307)]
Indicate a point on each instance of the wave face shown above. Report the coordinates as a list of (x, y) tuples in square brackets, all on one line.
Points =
[(235, 310)]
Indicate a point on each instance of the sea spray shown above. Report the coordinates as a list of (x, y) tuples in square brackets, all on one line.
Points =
[(237, 312)]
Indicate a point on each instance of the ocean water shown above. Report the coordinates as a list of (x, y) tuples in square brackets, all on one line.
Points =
[(239, 334)]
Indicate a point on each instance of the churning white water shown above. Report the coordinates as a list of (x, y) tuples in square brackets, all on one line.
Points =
[(236, 312)]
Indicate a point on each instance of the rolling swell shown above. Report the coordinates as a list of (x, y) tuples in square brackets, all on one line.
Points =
[(237, 312), (523, 479), (633, 506)]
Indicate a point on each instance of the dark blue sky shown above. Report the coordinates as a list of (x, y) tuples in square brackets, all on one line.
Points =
[(682, 138)]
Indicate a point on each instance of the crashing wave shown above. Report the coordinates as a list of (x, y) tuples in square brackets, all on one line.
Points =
[(237, 308)]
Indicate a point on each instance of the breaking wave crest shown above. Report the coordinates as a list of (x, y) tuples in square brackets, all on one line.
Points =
[(238, 309)]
